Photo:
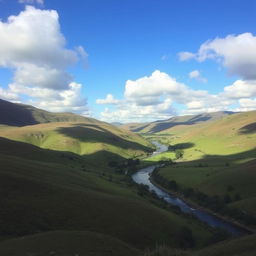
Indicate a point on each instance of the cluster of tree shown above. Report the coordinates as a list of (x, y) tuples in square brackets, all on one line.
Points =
[(178, 149), (216, 203), (125, 167)]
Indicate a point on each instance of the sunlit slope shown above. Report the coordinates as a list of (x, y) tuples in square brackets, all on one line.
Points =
[(230, 135), (81, 138), (14, 114), (39, 196), (162, 125), (219, 159)]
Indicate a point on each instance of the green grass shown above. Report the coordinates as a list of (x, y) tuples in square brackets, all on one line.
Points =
[(67, 243), (217, 155), (54, 194), (244, 246)]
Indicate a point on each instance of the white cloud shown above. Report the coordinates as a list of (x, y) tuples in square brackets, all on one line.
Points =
[(151, 97), (235, 52), (108, 100), (41, 2), (8, 95), (154, 97), (183, 56), (247, 104), (240, 89), (195, 74), (34, 48)]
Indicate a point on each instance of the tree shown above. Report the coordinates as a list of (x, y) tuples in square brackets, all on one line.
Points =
[(179, 153)]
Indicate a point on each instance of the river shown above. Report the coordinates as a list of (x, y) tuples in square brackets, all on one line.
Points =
[(143, 177)]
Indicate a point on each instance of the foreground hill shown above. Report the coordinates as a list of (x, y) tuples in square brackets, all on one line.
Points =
[(244, 246), (162, 125), (43, 190), (20, 115)]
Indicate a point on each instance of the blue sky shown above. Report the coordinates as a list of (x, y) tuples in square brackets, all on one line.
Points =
[(124, 60)]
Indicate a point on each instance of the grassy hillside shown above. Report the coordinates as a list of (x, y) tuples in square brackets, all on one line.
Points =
[(84, 139), (218, 159), (20, 115), (245, 246), (67, 243), (162, 125), (39, 195)]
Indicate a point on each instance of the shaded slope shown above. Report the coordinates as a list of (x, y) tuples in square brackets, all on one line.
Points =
[(66, 243), (39, 196), (80, 138), (13, 114)]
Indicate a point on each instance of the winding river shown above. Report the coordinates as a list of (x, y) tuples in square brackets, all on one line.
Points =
[(143, 177)]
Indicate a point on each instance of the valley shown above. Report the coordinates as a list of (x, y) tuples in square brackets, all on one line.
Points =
[(71, 179)]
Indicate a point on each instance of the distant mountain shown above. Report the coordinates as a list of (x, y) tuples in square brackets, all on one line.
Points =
[(161, 125), (116, 123), (14, 114)]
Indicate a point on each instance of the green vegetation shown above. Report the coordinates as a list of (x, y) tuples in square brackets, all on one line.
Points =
[(215, 163), (67, 243), (65, 185), (243, 247)]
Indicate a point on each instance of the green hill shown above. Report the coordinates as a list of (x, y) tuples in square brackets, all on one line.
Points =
[(13, 114), (217, 159), (244, 246), (43, 190), (67, 243), (162, 125)]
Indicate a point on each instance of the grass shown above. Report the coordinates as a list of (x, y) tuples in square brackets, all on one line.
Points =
[(217, 155), (39, 195), (238, 247), (84, 139), (67, 243)]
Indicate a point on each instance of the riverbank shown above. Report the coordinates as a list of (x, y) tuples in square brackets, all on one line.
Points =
[(194, 205)]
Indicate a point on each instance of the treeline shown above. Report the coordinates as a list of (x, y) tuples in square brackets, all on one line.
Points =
[(127, 166), (215, 203), (185, 238)]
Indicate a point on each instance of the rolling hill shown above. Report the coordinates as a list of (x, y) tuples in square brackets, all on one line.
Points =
[(218, 159), (162, 125), (14, 114)]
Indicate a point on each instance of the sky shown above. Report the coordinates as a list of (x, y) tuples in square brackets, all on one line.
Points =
[(129, 61)]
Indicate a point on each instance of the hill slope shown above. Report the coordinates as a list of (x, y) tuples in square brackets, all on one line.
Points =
[(20, 115), (43, 190), (162, 125), (218, 159)]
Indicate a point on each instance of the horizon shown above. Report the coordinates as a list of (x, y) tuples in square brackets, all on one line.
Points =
[(113, 62)]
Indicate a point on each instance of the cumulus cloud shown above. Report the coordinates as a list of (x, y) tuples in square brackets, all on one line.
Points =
[(108, 100), (240, 89), (235, 52), (155, 97), (34, 48), (152, 97), (195, 74)]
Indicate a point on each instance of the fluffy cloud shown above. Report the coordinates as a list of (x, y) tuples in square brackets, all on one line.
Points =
[(154, 97), (108, 100), (236, 52), (195, 74), (240, 89), (34, 48)]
